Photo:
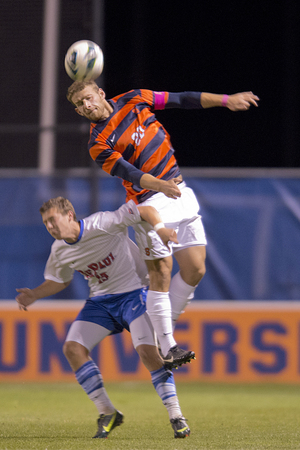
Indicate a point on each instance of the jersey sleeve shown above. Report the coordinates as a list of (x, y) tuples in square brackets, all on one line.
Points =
[(184, 100), (55, 271), (112, 162), (115, 221), (146, 96), (123, 169)]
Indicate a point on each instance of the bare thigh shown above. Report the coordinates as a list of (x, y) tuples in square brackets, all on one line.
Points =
[(160, 273)]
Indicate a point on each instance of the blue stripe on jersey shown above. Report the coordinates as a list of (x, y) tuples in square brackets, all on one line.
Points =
[(150, 149), (102, 157), (99, 127), (157, 170), (149, 120), (128, 96), (128, 152), (125, 123), (173, 172), (120, 129), (141, 106), (95, 131)]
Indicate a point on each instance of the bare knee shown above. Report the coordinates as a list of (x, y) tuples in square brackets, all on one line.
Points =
[(192, 264), (74, 351), (194, 275), (198, 272)]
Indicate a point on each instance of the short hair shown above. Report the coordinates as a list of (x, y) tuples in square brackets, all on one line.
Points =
[(62, 204), (78, 86)]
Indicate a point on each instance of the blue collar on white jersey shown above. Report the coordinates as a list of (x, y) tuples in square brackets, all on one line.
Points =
[(80, 234)]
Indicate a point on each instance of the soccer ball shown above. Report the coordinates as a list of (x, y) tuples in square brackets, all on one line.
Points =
[(84, 61)]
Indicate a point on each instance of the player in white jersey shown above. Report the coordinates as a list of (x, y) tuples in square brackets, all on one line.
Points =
[(99, 248)]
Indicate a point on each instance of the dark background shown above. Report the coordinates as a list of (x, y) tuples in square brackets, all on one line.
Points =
[(215, 46)]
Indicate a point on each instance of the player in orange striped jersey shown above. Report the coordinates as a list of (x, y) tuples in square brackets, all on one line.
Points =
[(127, 141)]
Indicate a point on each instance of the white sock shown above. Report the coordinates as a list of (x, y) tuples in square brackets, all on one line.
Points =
[(102, 402), (159, 311), (180, 295), (173, 407)]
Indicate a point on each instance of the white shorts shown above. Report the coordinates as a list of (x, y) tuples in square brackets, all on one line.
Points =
[(180, 214), (89, 334)]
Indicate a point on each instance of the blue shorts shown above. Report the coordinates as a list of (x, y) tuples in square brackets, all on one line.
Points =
[(115, 312)]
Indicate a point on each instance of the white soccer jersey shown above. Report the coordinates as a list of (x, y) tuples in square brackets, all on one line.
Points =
[(103, 254)]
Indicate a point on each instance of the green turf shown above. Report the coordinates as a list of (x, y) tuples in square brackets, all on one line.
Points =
[(61, 417)]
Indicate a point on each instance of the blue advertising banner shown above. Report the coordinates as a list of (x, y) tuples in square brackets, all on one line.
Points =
[(252, 226)]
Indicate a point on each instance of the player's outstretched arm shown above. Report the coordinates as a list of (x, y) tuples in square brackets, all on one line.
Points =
[(28, 296), (169, 187), (150, 215), (235, 102)]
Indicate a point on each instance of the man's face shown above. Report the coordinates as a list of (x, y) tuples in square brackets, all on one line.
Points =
[(58, 224), (91, 104)]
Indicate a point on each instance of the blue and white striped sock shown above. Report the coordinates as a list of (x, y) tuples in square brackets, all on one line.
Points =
[(164, 384), (90, 379)]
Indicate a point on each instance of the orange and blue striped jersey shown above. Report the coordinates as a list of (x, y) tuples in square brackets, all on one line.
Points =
[(131, 141)]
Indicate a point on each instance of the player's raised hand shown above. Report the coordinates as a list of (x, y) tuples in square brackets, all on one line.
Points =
[(170, 188), (242, 101), (167, 235), (25, 298)]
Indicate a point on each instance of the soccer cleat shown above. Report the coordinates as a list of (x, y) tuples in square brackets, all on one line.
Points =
[(180, 427), (177, 356), (107, 422)]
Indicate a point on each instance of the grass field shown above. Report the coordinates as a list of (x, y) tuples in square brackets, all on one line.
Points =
[(61, 417)]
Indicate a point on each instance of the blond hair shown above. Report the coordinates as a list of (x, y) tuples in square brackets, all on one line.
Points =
[(62, 204), (78, 86)]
